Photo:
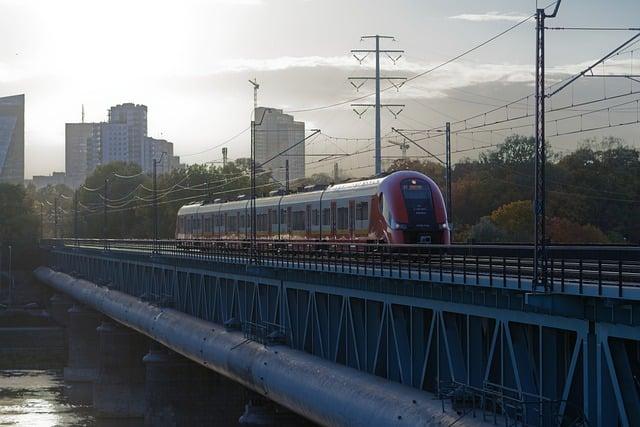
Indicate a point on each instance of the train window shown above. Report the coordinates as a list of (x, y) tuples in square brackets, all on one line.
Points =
[(315, 217), (274, 217), (298, 221), (207, 224), (343, 218), (362, 211), (326, 216), (283, 216), (241, 221)]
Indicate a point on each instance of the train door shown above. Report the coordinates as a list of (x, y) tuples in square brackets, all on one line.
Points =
[(352, 219), (308, 222), (334, 216)]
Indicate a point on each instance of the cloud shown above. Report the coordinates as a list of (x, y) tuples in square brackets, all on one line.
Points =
[(284, 63), (490, 17)]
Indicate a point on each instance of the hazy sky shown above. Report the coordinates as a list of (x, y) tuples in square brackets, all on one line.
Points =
[(189, 62)]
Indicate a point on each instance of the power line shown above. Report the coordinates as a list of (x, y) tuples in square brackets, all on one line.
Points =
[(593, 28), (218, 145), (430, 70)]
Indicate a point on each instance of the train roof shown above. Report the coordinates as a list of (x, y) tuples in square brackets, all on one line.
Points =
[(336, 191)]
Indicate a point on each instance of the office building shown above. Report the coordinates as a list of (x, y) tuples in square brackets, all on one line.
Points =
[(274, 133), (12, 139), (82, 151)]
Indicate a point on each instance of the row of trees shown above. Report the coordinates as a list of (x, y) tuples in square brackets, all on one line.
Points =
[(593, 195)]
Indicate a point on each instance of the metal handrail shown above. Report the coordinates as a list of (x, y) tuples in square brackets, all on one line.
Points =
[(488, 265)]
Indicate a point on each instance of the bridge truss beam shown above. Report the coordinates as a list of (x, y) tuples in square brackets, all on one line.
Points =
[(488, 348)]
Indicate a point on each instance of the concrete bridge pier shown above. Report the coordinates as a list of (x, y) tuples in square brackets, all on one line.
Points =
[(59, 305), (181, 392), (118, 391), (260, 411), (82, 345)]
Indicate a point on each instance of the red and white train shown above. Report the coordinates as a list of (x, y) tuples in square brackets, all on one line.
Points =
[(403, 207)]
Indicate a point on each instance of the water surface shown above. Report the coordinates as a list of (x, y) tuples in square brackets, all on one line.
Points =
[(41, 399)]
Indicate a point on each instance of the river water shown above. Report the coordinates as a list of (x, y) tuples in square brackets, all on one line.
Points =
[(42, 399)]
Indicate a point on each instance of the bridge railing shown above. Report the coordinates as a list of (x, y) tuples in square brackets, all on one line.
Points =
[(597, 270)]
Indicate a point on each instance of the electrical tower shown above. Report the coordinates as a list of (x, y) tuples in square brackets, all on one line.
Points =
[(395, 82), (540, 243)]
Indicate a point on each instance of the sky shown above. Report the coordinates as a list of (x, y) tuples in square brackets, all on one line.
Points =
[(189, 62)]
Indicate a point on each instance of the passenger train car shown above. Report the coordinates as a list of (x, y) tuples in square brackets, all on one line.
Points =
[(403, 207)]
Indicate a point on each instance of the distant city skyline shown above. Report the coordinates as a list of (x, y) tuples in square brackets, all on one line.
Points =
[(193, 66)]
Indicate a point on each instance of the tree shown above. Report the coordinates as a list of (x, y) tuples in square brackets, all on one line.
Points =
[(18, 226), (486, 231), (562, 230), (516, 220)]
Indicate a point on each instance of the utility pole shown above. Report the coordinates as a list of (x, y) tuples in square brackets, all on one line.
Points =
[(448, 171), (41, 220), (105, 206), (286, 174), (540, 243), (155, 201), (10, 277), (254, 123), (377, 105), (82, 113), (224, 157), (55, 217), (75, 216), (335, 172)]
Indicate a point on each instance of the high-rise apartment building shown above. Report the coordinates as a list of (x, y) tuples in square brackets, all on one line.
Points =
[(123, 138), (128, 125), (274, 133), (82, 151), (154, 149), (12, 139)]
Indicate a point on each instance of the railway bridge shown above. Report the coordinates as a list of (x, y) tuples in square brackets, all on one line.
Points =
[(347, 334)]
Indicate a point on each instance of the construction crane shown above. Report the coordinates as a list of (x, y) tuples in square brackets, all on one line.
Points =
[(256, 86), (404, 146)]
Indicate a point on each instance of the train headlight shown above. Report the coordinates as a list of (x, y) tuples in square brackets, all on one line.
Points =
[(398, 226), (444, 226)]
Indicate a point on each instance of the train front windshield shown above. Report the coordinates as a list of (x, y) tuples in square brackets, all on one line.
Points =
[(419, 205)]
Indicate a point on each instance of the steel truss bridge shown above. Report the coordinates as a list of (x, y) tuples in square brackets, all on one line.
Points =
[(462, 322)]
